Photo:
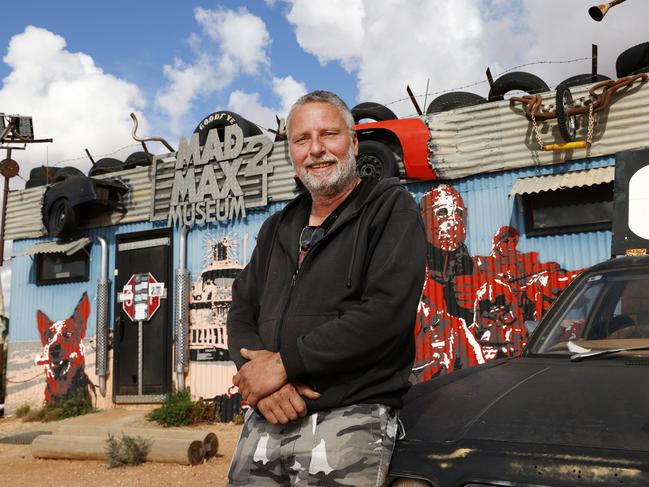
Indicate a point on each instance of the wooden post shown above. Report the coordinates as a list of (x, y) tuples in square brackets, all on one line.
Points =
[(184, 452)]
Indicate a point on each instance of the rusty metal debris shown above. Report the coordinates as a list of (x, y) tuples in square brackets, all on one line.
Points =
[(600, 101)]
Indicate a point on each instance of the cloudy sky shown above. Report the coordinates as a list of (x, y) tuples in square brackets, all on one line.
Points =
[(79, 68)]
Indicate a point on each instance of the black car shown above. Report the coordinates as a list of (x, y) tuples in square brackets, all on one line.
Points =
[(72, 196), (573, 410)]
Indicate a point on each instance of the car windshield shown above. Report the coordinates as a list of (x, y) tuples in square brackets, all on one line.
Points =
[(609, 311)]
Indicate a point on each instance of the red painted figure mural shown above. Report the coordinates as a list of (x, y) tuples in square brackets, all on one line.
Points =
[(63, 355), (473, 308)]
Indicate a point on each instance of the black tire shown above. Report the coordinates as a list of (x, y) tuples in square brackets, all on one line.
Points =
[(138, 158), (376, 160), (38, 177), (454, 99), (582, 79), (516, 80), (106, 165), (632, 61), (373, 111), (220, 120), (567, 124), (62, 219), (67, 172)]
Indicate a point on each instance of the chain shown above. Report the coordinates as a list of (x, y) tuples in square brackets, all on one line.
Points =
[(537, 131), (591, 123)]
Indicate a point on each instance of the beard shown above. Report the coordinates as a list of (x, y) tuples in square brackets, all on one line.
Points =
[(341, 177)]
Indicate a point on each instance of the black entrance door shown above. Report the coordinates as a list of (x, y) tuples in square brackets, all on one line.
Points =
[(142, 353)]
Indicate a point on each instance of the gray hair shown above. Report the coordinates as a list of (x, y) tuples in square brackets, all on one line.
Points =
[(321, 96)]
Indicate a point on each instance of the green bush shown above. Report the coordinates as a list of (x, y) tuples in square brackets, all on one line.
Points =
[(76, 404), (127, 451), (23, 410), (179, 410)]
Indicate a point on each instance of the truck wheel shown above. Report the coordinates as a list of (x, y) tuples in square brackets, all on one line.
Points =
[(373, 111), (220, 120), (452, 100), (375, 160), (62, 220), (632, 61), (567, 123), (516, 80)]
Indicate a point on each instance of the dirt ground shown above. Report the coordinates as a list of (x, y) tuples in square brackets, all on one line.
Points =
[(19, 468)]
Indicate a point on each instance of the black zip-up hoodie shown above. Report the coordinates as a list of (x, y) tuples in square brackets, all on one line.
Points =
[(343, 324)]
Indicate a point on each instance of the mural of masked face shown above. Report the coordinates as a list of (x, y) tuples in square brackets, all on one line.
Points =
[(445, 217), (505, 242)]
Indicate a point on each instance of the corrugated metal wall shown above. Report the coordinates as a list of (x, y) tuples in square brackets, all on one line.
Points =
[(496, 136), (490, 207)]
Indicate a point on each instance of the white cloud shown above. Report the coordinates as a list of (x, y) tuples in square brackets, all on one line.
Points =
[(66, 94), (242, 37), (231, 43), (389, 44), (250, 106)]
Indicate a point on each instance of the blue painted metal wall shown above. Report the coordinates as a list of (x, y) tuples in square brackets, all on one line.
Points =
[(490, 207), (486, 197)]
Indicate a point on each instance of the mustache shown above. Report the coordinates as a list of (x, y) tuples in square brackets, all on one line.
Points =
[(312, 162)]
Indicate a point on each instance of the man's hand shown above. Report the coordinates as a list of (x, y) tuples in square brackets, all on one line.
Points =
[(262, 375), (286, 404)]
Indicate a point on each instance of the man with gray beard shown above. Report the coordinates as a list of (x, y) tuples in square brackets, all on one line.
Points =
[(321, 322)]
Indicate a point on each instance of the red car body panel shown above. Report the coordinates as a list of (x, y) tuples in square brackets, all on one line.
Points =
[(413, 135)]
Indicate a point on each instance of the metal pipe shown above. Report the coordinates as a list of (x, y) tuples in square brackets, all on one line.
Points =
[(182, 310), (103, 294)]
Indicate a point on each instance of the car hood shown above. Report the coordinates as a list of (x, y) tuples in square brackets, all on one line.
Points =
[(550, 401)]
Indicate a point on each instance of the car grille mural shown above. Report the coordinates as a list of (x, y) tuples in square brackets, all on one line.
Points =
[(474, 308)]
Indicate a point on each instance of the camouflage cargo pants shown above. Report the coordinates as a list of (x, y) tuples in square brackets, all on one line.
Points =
[(348, 446)]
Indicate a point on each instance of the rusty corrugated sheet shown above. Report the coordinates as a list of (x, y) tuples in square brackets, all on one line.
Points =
[(24, 218), (496, 136), (573, 179)]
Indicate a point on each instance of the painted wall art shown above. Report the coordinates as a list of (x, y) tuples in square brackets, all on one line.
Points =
[(211, 369), (63, 354), (474, 308)]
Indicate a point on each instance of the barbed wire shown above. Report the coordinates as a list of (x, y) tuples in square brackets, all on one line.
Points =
[(426, 94), (98, 157), (471, 85)]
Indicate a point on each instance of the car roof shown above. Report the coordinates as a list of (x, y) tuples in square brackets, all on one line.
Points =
[(620, 263)]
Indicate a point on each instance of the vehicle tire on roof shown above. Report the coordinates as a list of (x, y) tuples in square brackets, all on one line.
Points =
[(516, 80), (137, 158), (376, 160), (582, 79), (632, 61), (62, 219), (454, 99), (220, 120), (38, 176), (373, 111), (67, 172), (106, 165)]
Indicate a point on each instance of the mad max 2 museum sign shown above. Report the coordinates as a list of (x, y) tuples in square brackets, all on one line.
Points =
[(215, 179)]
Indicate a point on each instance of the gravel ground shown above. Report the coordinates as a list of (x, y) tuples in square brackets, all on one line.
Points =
[(19, 468)]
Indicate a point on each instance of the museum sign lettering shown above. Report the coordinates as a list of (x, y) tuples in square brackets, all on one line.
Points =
[(217, 181)]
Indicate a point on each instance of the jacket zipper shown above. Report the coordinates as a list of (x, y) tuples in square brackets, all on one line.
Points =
[(294, 278)]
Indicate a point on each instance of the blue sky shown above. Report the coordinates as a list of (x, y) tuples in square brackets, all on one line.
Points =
[(79, 68)]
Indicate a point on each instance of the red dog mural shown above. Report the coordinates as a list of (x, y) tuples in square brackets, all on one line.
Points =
[(473, 308), (63, 353)]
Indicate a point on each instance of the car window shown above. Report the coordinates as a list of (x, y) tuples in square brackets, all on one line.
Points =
[(610, 309)]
